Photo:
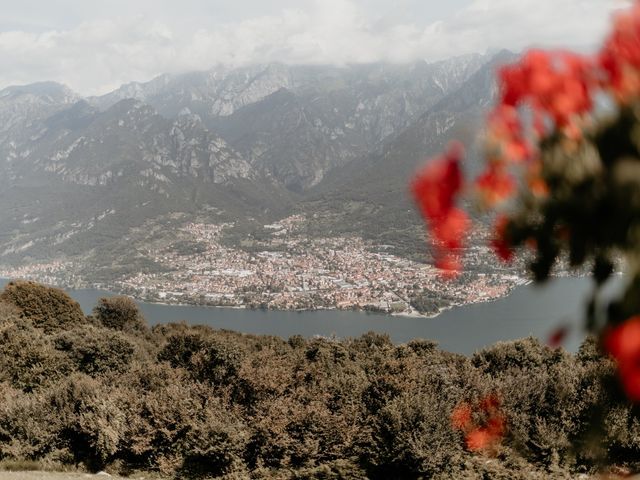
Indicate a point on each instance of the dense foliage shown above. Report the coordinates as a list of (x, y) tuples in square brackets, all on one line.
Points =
[(197, 402)]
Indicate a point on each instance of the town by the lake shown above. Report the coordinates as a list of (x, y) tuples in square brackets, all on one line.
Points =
[(293, 272)]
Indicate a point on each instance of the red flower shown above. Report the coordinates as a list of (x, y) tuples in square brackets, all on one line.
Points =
[(449, 265), (448, 236), (495, 426), (490, 404), (435, 189), (620, 55), (558, 84), (450, 229), (436, 186), (495, 185), (480, 437), (537, 185), (505, 121), (505, 130), (484, 437), (558, 336), (500, 243), (623, 343)]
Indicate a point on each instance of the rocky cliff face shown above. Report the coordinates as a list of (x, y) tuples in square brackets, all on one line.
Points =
[(295, 123), (83, 145)]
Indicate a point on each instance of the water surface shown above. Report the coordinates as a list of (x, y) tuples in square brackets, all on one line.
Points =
[(528, 310)]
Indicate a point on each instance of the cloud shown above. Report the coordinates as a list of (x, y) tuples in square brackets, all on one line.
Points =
[(98, 55)]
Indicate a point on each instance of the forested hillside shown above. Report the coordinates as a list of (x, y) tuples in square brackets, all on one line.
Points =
[(107, 392)]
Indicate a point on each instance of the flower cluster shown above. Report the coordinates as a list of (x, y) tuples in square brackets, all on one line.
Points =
[(546, 100), (563, 176), (556, 86), (620, 56), (484, 435)]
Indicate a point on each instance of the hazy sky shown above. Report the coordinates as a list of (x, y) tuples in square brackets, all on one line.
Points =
[(95, 45)]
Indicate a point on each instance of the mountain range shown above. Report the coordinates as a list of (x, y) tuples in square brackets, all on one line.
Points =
[(98, 177)]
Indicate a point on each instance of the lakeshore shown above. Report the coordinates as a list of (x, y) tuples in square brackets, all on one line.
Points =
[(529, 310)]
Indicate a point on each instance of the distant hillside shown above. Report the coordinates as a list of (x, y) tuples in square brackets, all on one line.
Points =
[(370, 195), (97, 179), (79, 179)]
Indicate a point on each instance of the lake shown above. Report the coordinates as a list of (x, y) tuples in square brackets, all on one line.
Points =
[(529, 310)]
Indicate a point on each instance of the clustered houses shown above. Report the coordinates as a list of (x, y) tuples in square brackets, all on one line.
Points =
[(292, 271), (57, 272)]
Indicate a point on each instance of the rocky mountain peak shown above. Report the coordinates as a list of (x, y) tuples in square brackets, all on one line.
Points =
[(42, 92)]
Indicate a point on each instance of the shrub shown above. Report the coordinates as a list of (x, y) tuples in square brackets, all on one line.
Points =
[(28, 360), (412, 438), (206, 358), (89, 420), (216, 444), (46, 307), (265, 375), (521, 355), (370, 342), (550, 398), (8, 312), (119, 313), (343, 469), (95, 350), (27, 430)]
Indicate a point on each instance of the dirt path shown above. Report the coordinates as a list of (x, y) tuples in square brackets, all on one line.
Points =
[(68, 476)]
